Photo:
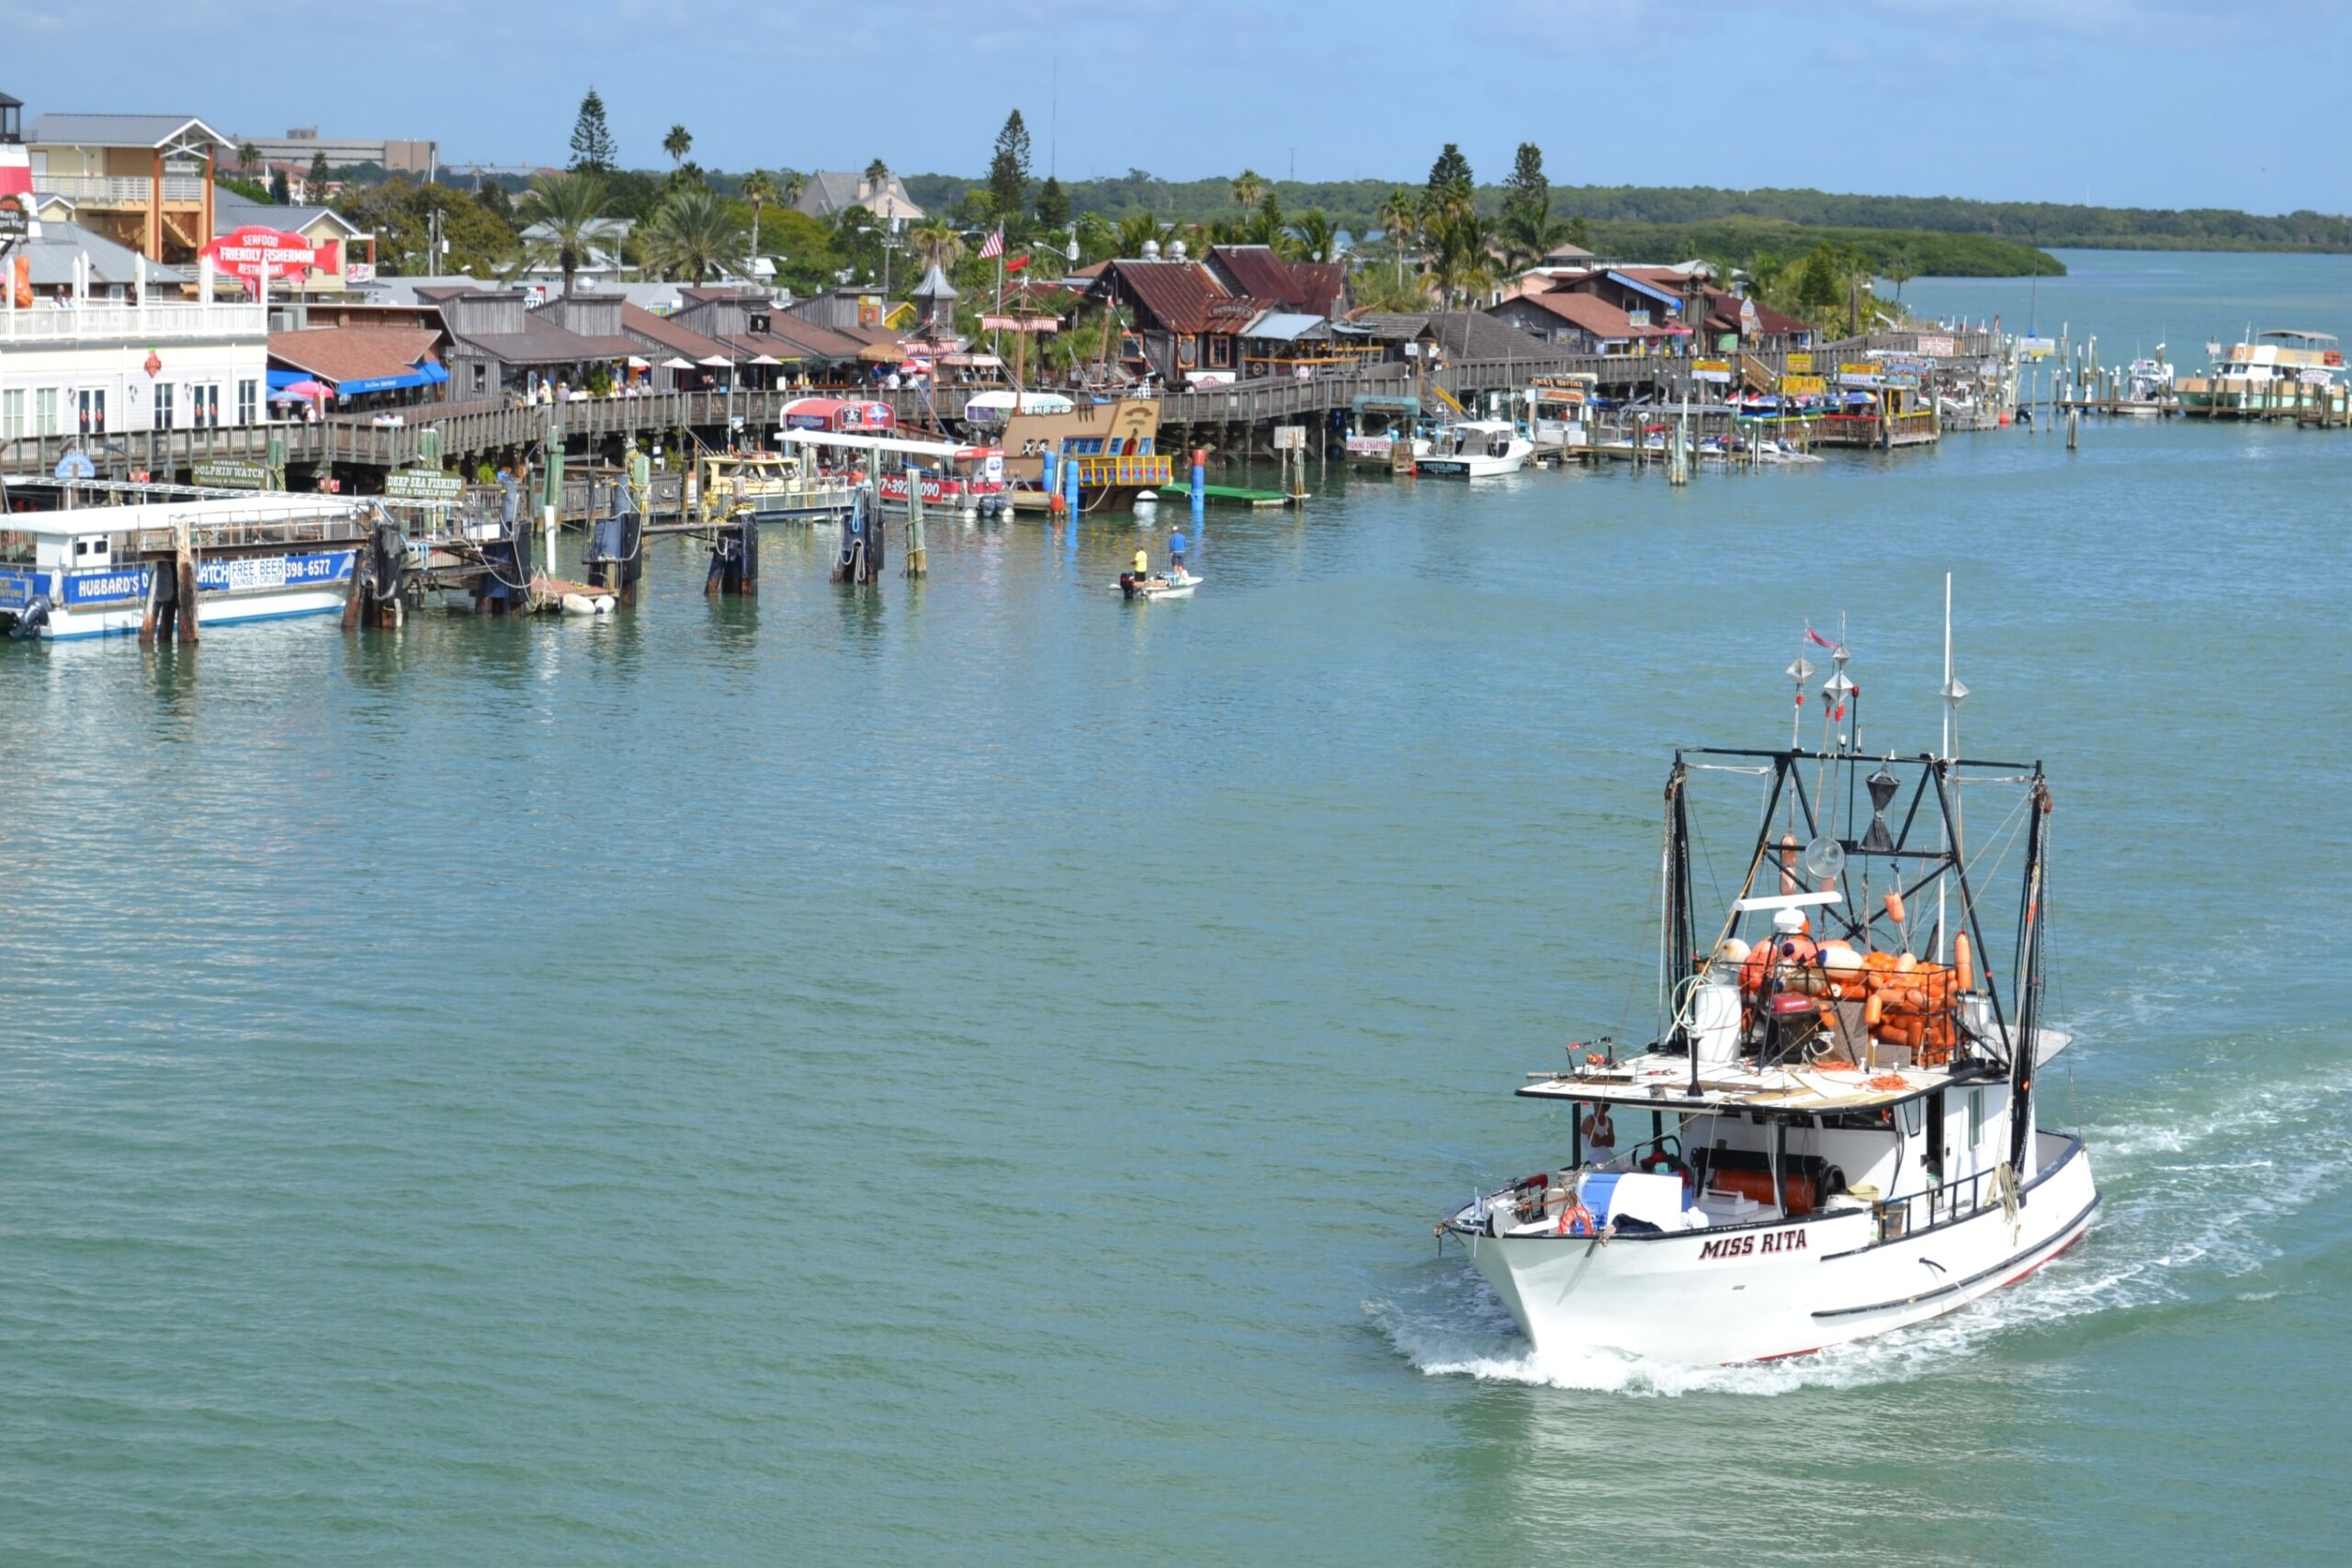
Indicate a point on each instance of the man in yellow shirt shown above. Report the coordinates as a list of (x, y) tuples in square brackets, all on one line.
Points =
[(1143, 564)]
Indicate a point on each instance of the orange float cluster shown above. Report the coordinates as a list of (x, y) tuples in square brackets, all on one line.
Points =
[(1907, 1002)]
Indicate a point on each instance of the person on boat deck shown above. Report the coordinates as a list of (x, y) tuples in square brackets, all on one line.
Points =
[(1177, 546), (1600, 1136), (1143, 562)]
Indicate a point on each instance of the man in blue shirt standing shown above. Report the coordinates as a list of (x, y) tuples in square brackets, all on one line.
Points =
[(1177, 545)]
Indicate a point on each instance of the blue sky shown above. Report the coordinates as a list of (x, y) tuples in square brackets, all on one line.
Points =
[(2109, 101)]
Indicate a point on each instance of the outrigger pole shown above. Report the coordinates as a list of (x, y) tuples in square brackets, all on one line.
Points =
[(2025, 1049)]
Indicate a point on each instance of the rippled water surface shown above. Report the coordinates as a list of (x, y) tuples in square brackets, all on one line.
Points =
[(965, 1072)]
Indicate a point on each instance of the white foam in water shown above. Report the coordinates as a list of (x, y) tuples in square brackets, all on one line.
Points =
[(2275, 1148)]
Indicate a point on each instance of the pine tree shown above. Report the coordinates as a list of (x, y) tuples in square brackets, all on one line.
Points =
[(592, 138), (1008, 170), (1053, 204), (1451, 187), (318, 176), (1528, 231)]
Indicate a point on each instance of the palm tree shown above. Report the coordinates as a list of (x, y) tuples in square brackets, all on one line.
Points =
[(1462, 253), (692, 235), (1136, 232), (759, 189), (878, 173), (571, 208), (791, 185), (248, 155), (936, 241), (678, 143), (1249, 189), (1317, 236), (1396, 216)]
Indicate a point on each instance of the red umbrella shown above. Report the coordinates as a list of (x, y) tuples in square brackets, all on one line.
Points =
[(307, 390)]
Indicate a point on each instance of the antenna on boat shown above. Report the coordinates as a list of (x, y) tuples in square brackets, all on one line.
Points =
[(1954, 692)]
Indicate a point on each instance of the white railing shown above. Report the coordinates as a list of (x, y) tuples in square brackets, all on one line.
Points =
[(113, 190), (46, 323), (119, 190)]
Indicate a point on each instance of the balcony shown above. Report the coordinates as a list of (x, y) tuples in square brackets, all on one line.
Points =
[(62, 327), (122, 190)]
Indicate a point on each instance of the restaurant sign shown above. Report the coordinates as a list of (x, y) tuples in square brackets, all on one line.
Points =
[(1800, 364), (255, 252), (1804, 386), (1938, 347), (2037, 348), (1711, 370)]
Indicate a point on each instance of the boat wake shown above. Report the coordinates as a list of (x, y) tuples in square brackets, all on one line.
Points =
[(2194, 1199)]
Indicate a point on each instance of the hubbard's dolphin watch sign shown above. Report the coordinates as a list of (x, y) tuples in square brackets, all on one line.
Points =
[(256, 253), (244, 574)]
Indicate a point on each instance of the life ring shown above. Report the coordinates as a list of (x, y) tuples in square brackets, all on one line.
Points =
[(1574, 1213)]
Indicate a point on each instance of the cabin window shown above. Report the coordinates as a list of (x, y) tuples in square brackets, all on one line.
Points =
[(163, 409), (1220, 351), (45, 413), (246, 391), (12, 414), (481, 377), (1975, 1118)]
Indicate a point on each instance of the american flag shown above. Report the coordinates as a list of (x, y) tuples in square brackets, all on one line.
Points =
[(994, 244)]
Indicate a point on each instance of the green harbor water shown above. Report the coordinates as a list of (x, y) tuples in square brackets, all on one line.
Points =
[(964, 1072)]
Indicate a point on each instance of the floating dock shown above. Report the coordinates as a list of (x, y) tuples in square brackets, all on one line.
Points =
[(1233, 495)]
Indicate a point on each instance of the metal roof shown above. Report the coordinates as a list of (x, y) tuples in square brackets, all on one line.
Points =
[(1640, 287), (1282, 326), (119, 130), (49, 260)]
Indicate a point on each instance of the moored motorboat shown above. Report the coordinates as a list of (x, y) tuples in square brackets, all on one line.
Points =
[(1476, 449), (1835, 1131)]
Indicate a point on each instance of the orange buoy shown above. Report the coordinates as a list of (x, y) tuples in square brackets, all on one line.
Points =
[(1904, 964), (1963, 959), (1895, 907), (1874, 1010)]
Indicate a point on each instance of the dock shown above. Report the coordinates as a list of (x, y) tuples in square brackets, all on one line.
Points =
[(1232, 495)]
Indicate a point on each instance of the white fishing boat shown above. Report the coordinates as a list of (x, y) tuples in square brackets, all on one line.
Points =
[(1477, 449), (111, 571), (1176, 584), (2271, 373), (2147, 385), (1835, 1132)]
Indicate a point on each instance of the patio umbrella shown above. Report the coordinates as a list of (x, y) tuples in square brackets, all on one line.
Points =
[(674, 362), (716, 361), (766, 359), (637, 364), (307, 390)]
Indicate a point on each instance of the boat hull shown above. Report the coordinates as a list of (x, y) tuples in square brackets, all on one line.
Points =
[(1757, 1293), (1473, 468), (231, 591)]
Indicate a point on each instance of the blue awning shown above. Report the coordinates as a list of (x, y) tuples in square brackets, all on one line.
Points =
[(425, 375), (281, 380)]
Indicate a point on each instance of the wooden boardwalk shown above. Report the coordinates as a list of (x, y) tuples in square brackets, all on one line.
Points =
[(1225, 417)]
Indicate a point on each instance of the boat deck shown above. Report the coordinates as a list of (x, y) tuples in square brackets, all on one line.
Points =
[(1663, 1082)]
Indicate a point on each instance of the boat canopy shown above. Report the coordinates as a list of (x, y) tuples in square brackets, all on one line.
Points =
[(851, 440), (990, 405)]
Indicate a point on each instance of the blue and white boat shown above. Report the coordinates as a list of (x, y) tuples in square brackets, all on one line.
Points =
[(94, 572)]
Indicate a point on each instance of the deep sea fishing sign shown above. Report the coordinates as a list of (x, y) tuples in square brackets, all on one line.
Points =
[(256, 254)]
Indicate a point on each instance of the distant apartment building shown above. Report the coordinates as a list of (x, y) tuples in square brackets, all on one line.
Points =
[(303, 144)]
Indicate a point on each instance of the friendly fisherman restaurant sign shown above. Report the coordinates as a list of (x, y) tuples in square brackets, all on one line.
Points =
[(257, 253)]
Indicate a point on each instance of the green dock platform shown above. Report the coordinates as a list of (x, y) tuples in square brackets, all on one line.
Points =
[(1232, 495)]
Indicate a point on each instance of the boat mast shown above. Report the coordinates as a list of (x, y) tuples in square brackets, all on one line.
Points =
[(1953, 693), (2024, 1049)]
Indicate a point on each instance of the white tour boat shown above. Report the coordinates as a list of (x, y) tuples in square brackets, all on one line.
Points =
[(1835, 1132), (111, 571), (1477, 449)]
